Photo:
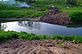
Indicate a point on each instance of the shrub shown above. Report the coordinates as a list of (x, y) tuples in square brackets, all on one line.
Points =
[(76, 17)]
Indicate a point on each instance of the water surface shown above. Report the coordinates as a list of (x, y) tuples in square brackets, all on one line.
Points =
[(40, 28)]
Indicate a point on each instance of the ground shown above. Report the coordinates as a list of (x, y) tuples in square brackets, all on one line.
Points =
[(40, 47)]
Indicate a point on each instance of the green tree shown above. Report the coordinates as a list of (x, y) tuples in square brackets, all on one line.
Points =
[(27, 1), (72, 2), (31, 1), (20, 0)]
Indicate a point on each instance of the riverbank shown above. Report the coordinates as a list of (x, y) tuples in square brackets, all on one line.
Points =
[(20, 19), (17, 46), (9, 35), (27, 43), (53, 16)]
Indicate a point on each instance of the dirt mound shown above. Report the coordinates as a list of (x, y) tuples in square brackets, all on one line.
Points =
[(40, 47), (56, 17)]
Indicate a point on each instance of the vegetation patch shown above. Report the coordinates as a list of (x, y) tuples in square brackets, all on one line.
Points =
[(39, 8), (60, 44), (76, 17), (16, 12), (20, 14), (9, 35)]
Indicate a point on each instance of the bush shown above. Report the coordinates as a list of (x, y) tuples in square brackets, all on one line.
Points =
[(72, 2), (76, 17), (4, 36), (31, 1)]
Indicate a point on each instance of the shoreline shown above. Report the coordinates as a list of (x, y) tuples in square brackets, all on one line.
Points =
[(14, 19)]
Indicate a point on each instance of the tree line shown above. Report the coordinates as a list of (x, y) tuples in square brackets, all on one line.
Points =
[(72, 2)]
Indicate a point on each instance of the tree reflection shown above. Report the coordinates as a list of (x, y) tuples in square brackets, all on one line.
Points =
[(30, 24), (3, 26), (0, 25)]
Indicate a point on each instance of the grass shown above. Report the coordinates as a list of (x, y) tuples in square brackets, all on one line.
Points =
[(9, 35), (74, 25), (40, 8), (15, 12), (72, 10), (20, 14), (60, 44)]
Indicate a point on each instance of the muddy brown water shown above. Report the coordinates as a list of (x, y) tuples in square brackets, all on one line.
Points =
[(41, 28)]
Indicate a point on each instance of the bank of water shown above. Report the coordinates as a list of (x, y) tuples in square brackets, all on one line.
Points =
[(41, 28)]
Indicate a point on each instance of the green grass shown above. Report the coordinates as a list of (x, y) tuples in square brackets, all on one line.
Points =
[(15, 12), (40, 8), (72, 10), (20, 14), (60, 44), (9, 35)]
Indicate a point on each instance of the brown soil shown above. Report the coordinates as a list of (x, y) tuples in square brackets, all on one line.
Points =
[(40, 47), (56, 17)]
